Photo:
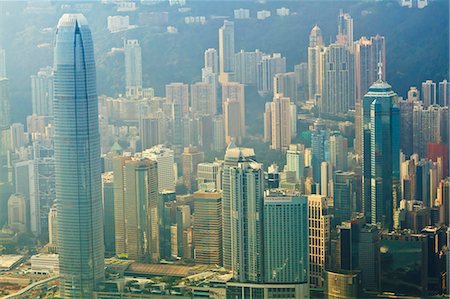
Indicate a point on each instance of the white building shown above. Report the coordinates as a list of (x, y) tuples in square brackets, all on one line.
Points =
[(263, 14), (282, 12), (167, 175), (45, 264), (242, 14), (118, 23)]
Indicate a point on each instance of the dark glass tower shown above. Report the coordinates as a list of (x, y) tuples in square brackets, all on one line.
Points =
[(77, 159)]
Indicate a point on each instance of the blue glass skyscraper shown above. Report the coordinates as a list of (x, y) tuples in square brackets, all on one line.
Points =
[(77, 159), (381, 148)]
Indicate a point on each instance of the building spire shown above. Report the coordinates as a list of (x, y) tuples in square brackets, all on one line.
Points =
[(380, 68)]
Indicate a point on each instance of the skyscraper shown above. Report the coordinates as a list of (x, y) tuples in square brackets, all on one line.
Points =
[(226, 51), (246, 66), (4, 129), (267, 68), (77, 159), (133, 68), (211, 60), (444, 93), (42, 92), (338, 80), (280, 122), (381, 146), (2, 63), (314, 63), (428, 93), (203, 98), (233, 156)]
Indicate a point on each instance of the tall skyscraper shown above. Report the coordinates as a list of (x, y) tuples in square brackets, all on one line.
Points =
[(314, 63), (345, 31), (338, 80), (133, 68), (247, 66), (319, 238), (17, 213), (77, 160), (208, 227), (2, 63), (42, 92), (286, 239), (267, 68), (166, 167), (226, 51), (218, 128), (280, 122), (233, 102), (295, 160), (233, 156), (4, 129), (285, 84), (381, 146), (444, 93)]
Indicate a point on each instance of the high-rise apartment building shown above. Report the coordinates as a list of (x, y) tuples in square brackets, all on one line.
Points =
[(233, 102), (133, 68), (428, 93), (77, 159), (267, 68), (42, 92), (338, 80), (285, 84), (212, 60), (203, 98), (295, 161), (226, 51), (246, 69), (190, 158), (166, 166), (314, 64), (4, 129), (278, 115), (444, 93), (345, 31)]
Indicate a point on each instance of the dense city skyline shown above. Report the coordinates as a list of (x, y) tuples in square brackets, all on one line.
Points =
[(257, 177)]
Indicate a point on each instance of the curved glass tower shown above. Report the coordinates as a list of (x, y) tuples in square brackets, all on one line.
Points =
[(77, 159)]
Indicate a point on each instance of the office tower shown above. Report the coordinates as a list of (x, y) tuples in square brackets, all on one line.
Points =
[(133, 68), (211, 60), (406, 126), (25, 185), (429, 125), (319, 238), (77, 160), (218, 128), (301, 80), (345, 31), (267, 68), (226, 51), (338, 80), (342, 284), (344, 194), (285, 84), (381, 157), (203, 98), (246, 69), (444, 93), (2, 64), (272, 177), (42, 92), (314, 64), (119, 203), (368, 53), (208, 227), (338, 147), (209, 176), (234, 91), (141, 203), (428, 92), (53, 228), (247, 197), (233, 156), (286, 239), (17, 213), (369, 257), (4, 129), (165, 158), (436, 239), (278, 115), (108, 211), (318, 153), (295, 160), (190, 158)]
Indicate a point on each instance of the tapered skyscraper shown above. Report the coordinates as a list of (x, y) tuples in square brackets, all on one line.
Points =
[(77, 159)]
